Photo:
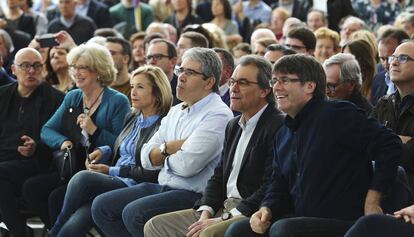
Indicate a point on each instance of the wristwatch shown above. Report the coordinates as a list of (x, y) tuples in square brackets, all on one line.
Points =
[(225, 216), (163, 149)]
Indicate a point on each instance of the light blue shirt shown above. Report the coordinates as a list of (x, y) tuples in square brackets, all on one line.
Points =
[(203, 126), (260, 12), (127, 148), (83, 9), (391, 87)]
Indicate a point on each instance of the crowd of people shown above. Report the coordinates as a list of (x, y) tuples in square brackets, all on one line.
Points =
[(208, 117)]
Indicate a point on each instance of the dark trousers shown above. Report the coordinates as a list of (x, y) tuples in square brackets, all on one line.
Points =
[(13, 174), (294, 227), (44, 195), (381, 226)]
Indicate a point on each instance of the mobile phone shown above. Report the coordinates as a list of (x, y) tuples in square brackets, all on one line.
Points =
[(47, 41)]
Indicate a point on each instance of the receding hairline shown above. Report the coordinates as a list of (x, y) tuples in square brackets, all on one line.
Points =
[(26, 51)]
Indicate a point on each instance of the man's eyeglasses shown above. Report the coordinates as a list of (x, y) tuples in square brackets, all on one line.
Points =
[(402, 58), (241, 82), (113, 52), (331, 87), (188, 72), (283, 80), (156, 57), (295, 47), (81, 68), (37, 67)]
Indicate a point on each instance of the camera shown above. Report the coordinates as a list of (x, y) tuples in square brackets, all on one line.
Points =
[(47, 41)]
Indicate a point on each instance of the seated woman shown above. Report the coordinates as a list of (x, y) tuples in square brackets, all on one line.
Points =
[(89, 117), (58, 69), (151, 100), (327, 44), (400, 224)]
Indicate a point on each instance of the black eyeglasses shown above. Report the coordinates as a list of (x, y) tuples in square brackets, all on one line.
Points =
[(402, 58), (25, 66), (188, 72), (283, 80), (331, 87), (156, 57), (243, 83)]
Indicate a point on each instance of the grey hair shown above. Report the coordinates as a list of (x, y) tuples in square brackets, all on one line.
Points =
[(349, 69), (210, 63), (264, 73), (354, 19), (7, 40)]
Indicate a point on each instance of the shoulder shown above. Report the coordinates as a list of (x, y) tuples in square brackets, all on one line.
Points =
[(115, 8), (7, 89), (145, 6), (114, 96)]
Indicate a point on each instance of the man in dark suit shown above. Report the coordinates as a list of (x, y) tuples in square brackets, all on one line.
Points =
[(228, 67), (237, 186)]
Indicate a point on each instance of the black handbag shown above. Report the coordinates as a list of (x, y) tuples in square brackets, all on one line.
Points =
[(65, 162)]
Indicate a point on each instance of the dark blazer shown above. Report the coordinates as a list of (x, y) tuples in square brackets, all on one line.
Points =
[(99, 13), (255, 170), (378, 88)]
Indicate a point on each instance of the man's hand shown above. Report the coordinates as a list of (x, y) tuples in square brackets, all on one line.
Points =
[(260, 220), (157, 158), (100, 168), (406, 213), (85, 122), (405, 139), (373, 202), (28, 148), (65, 40), (94, 157), (205, 221)]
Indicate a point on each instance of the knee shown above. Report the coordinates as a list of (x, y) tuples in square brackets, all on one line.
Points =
[(211, 231), (281, 228), (80, 178), (96, 207), (237, 229), (132, 216), (367, 226)]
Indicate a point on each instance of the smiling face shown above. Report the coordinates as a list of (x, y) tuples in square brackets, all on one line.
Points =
[(324, 49), (142, 97), (291, 97), (249, 98), (85, 79)]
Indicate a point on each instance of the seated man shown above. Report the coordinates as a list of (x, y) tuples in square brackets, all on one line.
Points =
[(396, 110), (343, 80), (301, 40), (322, 173), (239, 181), (186, 149), (25, 107)]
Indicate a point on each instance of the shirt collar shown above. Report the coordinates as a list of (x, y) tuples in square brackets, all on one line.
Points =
[(251, 123), (148, 121), (223, 89), (199, 104), (67, 22)]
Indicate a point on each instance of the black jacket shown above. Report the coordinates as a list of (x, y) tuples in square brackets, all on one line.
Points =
[(255, 170), (136, 172), (402, 124)]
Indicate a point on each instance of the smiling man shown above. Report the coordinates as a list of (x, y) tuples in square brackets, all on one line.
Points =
[(322, 176), (185, 149), (235, 190)]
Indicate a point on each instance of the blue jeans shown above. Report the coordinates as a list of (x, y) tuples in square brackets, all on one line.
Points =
[(294, 227), (380, 226), (75, 218), (125, 211)]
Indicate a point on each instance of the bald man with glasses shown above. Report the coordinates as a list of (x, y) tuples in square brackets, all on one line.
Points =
[(25, 106)]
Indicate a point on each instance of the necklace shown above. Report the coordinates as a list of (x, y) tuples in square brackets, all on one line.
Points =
[(86, 109)]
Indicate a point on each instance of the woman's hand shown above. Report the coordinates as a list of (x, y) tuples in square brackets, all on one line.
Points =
[(85, 122), (66, 144), (100, 168), (94, 157), (65, 40)]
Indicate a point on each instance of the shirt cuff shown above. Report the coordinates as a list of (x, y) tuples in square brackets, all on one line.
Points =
[(114, 171), (235, 212), (106, 153), (206, 208)]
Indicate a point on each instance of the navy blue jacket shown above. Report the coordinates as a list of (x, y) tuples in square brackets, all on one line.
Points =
[(322, 162)]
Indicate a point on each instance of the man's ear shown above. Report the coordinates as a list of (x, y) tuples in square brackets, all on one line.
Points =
[(13, 68), (173, 61), (310, 87)]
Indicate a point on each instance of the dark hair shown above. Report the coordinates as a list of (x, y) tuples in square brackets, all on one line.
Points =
[(306, 36), (307, 68), (264, 73), (364, 55), (126, 47), (245, 47), (200, 29), (197, 39), (172, 51), (228, 58), (51, 76), (150, 37), (227, 9), (280, 47), (394, 33), (107, 32)]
